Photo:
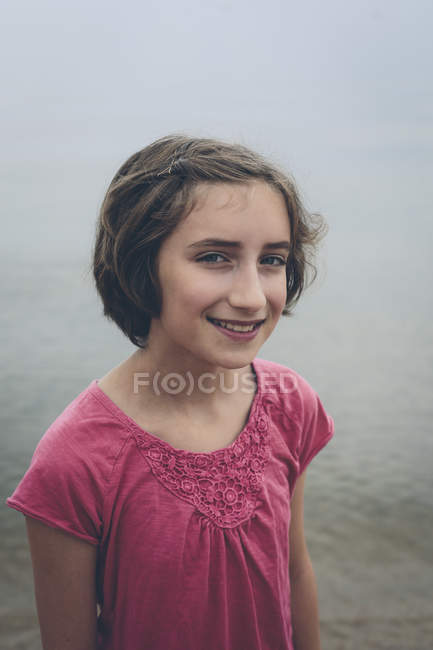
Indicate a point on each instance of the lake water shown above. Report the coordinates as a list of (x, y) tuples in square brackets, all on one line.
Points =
[(361, 337)]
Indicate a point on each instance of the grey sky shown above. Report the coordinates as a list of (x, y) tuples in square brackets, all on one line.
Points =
[(102, 74), (339, 92)]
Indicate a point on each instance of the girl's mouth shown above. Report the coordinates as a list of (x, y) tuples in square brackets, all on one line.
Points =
[(238, 332)]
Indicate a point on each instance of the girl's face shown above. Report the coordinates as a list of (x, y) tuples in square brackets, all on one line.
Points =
[(208, 284)]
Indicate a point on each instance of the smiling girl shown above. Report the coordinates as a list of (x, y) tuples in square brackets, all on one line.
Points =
[(164, 506)]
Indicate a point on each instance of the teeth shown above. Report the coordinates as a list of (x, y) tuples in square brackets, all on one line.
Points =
[(234, 328)]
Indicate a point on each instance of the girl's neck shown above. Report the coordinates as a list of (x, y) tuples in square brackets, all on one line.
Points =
[(181, 382)]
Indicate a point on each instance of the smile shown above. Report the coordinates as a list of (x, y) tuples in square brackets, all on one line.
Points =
[(248, 327)]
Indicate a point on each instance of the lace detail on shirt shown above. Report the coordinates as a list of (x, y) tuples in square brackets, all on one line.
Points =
[(224, 484)]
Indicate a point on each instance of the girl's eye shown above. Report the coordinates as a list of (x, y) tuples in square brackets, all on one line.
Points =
[(206, 258), (270, 260), (275, 260)]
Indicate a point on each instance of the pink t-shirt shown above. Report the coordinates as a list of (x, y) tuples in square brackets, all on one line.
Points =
[(193, 547)]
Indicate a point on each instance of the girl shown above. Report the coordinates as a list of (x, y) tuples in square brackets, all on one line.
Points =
[(164, 506)]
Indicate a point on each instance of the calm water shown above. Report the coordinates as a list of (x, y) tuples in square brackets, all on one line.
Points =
[(362, 342)]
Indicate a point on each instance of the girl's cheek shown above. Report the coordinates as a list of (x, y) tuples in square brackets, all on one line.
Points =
[(280, 298), (278, 288)]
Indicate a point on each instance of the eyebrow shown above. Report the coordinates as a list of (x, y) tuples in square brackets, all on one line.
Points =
[(237, 244)]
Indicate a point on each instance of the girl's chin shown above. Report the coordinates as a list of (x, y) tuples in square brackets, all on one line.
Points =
[(235, 360)]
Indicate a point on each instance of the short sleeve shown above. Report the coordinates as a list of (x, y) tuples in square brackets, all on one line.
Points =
[(62, 486), (317, 427)]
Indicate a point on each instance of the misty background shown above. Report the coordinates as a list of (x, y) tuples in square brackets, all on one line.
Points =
[(340, 95)]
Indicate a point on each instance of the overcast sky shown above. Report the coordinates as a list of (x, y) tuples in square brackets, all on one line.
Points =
[(87, 78), (339, 92)]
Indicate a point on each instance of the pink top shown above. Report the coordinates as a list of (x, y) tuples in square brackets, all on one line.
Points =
[(193, 547)]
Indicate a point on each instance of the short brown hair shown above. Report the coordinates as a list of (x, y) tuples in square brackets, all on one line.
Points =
[(147, 198)]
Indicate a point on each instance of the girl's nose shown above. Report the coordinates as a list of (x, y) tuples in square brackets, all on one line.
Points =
[(246, 291)]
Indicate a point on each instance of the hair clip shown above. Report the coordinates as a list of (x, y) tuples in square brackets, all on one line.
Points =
[(167, 170)]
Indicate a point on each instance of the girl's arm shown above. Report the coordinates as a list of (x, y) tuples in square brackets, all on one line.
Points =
[(304, 606), (64, 570)]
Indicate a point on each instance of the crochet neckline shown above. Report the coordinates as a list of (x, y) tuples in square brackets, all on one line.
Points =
[(144, 435), (223, 485)]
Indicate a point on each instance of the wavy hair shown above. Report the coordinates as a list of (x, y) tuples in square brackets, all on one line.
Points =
[(149, 196)]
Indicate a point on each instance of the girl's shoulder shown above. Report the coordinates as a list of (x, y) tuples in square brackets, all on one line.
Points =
[(295, 409), (283, 383), (72, 467), (84, 435)]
